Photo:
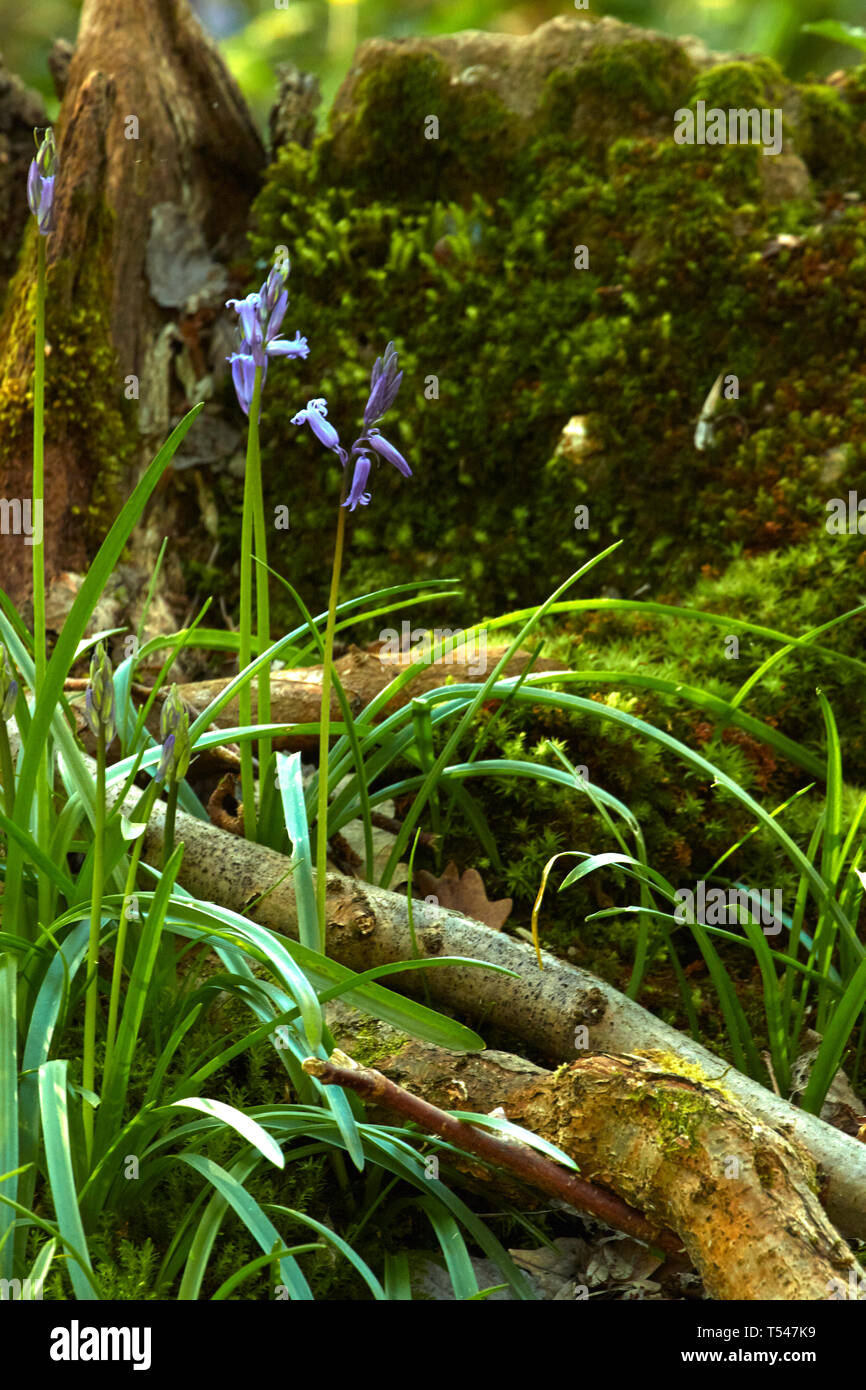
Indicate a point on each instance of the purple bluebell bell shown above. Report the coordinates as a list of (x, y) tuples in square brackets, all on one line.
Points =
[(40, 182), (260, 317), (384, 385)]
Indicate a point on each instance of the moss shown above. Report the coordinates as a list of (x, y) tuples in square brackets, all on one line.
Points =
[(369, 1047), (480, 292), (619, 89), (386, 148), (756, 82), (831, 131)]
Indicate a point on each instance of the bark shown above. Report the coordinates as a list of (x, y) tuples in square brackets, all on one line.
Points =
[(740, 1195), (159, 161)]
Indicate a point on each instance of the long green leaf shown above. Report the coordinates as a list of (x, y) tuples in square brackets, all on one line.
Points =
[(54, 1109)]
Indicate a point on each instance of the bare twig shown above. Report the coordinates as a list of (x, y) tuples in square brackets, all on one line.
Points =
[(519, 1159)]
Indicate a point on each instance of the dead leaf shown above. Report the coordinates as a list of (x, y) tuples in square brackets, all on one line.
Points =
[(464, 893), (229, 817)]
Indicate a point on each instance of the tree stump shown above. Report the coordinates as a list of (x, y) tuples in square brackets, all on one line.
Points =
[(159, 161)]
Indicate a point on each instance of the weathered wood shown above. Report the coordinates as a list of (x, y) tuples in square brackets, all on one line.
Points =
[(739, 1194)]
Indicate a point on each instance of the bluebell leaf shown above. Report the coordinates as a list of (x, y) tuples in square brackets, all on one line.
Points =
[(389, 453), (357, 495)]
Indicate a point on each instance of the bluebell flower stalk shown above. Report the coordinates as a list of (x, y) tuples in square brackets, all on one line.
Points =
[(385, 382), (260, 317), (41, 179)]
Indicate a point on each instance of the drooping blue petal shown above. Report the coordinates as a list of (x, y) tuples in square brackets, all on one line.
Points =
[(389, 453), (288, 347), (357, 496), (274, 285), (40, 182), (166, 759), (244, 377), (314, 416), (248, 312), (278, 313)]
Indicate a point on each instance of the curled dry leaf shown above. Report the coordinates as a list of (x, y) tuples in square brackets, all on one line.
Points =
[(464, 893)]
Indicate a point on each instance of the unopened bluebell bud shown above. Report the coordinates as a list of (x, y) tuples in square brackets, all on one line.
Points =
[(8, 686), (100, 709), (174, 729), (40, 182)]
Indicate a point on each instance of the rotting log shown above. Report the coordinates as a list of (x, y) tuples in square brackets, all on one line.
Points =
[(740, 1195)]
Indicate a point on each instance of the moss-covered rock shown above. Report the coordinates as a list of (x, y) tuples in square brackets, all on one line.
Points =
[(463, 250)]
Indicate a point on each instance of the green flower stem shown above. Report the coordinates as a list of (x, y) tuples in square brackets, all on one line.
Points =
[(324, 724), (44, 788), (170, 816), (263, 613), (39, 474), (252, 480), (142, 813), (89, 1068), (7, 770)]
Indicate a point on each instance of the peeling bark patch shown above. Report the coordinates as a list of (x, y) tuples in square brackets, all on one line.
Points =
[(592, 1007)]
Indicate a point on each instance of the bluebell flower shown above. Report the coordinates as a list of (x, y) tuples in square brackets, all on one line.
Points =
[(384, 385), (314, 416), (260, 317), (40, 183)]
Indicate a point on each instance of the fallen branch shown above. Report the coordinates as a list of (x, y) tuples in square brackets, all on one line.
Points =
[(739, 1194), (524, 1162)]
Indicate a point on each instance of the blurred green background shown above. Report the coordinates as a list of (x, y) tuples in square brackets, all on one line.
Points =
[(320, 35)]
